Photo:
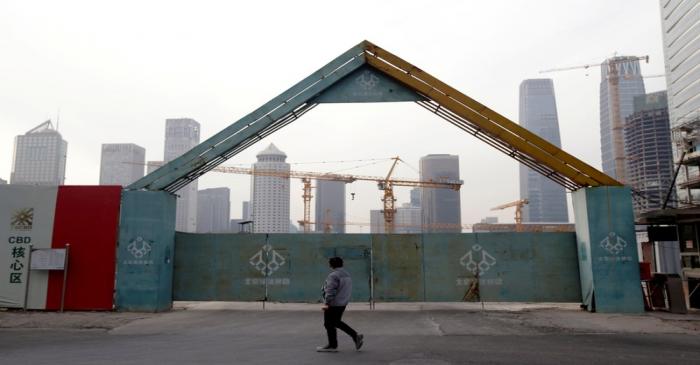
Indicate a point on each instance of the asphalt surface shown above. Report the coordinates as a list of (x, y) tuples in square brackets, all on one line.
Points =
[(391, 337)]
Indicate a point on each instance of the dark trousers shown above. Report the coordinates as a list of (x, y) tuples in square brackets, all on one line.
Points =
[(332, 319)]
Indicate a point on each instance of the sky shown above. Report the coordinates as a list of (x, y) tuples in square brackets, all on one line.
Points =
[(112, 72)]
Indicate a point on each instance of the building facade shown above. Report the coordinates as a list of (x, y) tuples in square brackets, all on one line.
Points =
[(39, 157), (680, 24), (408, 219), (180, 136), (153, 166), (440, 208), (376, 221), (270, 194), (214, 210), (648, 151), (330, 206), (538, 114), (620, 81), (245, 210), (121, 163)]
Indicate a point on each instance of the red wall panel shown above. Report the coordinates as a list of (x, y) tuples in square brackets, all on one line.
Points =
[(87, 217)]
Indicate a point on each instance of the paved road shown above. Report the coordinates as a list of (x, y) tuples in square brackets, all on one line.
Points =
[(392, 337)]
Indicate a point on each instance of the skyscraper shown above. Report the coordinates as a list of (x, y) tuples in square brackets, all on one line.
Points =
[(330, 206), (620, 81), (538, 113), (270, 194), (180, 136), (39, 157), (245, 214), (121, 163), (648, 150), (441, 208), (680, 23), (214, 210)]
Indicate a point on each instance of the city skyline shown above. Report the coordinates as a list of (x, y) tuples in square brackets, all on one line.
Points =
[(155, 88)]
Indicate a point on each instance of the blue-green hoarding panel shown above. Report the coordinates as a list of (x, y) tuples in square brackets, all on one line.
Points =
[(145, 252), (432, 267), (607, 250)]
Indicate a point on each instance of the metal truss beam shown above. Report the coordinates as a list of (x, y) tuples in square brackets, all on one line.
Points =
[(523, 144), (251, 128), (441, 99)]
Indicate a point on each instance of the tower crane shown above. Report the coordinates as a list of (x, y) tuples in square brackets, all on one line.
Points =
[(518, 204), (388, 199), (611, 64), (384, 183)]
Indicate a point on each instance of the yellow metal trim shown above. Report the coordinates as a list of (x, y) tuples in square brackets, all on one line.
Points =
[(484, 123), (525, 141)]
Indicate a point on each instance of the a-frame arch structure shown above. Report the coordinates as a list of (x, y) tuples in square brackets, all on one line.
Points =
[(605, 238), (368, 73)]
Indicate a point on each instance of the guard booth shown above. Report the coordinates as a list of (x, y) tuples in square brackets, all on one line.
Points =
[(674, 240), (605, 240)]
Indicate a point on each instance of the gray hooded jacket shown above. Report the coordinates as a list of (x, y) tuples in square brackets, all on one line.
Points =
[(338, 288)]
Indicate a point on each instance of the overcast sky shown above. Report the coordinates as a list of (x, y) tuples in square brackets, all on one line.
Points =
[(117, 70)]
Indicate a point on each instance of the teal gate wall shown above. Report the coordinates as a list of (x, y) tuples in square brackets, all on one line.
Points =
[(525, 267)]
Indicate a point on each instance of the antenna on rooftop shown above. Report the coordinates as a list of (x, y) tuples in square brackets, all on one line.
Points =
[(58, 116)]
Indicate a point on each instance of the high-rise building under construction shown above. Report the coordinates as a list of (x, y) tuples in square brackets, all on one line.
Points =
[(620, 81), (648, 151)]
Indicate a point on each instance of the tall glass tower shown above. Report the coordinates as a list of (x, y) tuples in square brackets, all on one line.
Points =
[(680, 25), (330, 206), (441, 208), (538, 113)]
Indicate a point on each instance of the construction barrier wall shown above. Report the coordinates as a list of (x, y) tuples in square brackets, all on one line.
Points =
[(526, 267), (86, 217), (607, 250), (145, 255)]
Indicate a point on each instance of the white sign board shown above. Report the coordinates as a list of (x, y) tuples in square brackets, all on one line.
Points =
[(49, 259), (26, 219)]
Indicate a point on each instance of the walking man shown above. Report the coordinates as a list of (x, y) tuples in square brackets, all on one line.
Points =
[(336, 294)]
